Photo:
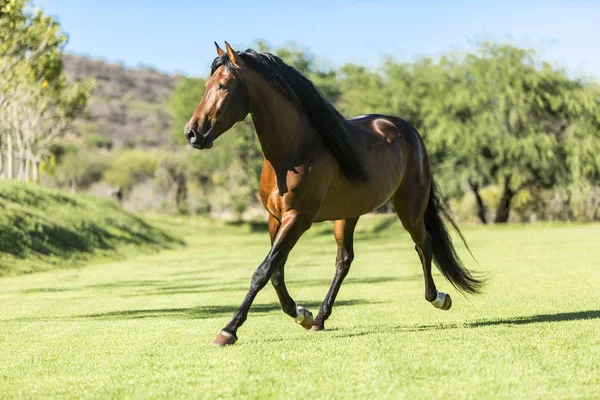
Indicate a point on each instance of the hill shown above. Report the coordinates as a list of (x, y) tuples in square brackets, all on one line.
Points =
[(127, 105), (43, 229)]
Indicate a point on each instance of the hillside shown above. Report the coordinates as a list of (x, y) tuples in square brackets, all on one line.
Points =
[(43, 229), (127, 105)]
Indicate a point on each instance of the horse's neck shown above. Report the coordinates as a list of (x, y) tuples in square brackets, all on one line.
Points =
[(284, 132)]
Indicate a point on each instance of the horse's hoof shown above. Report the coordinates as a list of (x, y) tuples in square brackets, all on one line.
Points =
[(447, 303), (316, 328), (224, 339), (304, 317), (443, 301)]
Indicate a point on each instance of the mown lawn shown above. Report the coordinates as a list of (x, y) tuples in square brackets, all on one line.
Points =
[(142, 328)]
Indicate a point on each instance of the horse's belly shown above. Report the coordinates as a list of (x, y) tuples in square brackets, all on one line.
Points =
[(346, 199)]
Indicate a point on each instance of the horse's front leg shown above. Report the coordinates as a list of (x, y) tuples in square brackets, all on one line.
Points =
[(300, 314), (293, 225)]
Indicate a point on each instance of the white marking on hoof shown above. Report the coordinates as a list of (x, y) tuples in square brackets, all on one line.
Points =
[(304, 317), (443, 301)]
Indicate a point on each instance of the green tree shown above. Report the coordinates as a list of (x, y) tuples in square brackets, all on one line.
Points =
[(324, 77), (183, 101), (36, 102), (501, 116), (171, 177)]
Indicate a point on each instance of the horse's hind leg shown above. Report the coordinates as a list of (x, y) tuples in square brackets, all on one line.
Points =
[(288, 305), (411, 211), (344, 236)]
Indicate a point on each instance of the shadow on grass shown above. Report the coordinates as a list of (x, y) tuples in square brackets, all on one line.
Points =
[(242, 284), (350, 281), (202, 312), (255, 226), (157, 287), (532, 319), (569, 316)]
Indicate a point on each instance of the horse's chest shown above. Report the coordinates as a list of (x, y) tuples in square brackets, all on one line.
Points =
[(288, 188)]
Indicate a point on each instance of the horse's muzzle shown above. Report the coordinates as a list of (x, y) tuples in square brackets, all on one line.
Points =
[(199, 141)]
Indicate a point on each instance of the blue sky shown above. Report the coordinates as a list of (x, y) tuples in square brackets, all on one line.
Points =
[(178, 35)]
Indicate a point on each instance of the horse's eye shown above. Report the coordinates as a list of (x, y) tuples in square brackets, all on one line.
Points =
[(222, 86)]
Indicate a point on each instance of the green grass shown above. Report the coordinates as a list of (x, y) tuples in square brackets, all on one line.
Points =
[(43, 229), (142, 328)]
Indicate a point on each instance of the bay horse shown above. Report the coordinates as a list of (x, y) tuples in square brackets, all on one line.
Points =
[(319, 166)]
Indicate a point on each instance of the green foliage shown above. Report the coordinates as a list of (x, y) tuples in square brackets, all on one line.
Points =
[(324, 78), (60, 148), (37, 103), (503, 115), (97, 141), (130, 167), (30, 36), (44, 229), (78, 170), (183, 101)]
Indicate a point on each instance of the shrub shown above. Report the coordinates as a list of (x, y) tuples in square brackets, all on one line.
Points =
[(78, 170), (131, 167), (95, 141)]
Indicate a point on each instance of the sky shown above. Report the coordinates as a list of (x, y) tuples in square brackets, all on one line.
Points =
[(177, 35)]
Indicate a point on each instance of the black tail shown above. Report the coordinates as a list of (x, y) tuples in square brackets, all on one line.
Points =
[(444, 253)]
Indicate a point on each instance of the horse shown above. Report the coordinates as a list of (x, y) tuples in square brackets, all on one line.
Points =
[(318, 166)]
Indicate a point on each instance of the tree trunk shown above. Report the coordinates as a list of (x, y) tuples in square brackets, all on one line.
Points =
[(35, 168), (21, 168), (481, 208), (27, 163), (569, 216), (9, 157), (181, 193), (503, 210), (1, 159)]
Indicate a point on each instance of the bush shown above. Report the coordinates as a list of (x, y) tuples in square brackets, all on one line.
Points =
[(79, 170), (95, 141), (131, 167), (61, 148)]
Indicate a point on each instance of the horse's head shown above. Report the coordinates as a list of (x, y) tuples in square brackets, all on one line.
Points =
[(225, 102)]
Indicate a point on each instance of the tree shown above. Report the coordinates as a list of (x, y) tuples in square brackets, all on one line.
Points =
[(502, 117), (171, 177), (183, 101), (36, 102)]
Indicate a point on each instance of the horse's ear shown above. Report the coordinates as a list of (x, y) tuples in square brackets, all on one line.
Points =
[(220, 51), (234, 56)]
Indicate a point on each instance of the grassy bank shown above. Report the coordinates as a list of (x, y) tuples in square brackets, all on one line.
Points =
[(42, 229)]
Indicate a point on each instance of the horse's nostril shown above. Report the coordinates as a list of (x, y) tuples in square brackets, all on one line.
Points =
[(191, 136)]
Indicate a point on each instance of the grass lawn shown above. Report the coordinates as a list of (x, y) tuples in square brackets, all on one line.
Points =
[(142, 328)]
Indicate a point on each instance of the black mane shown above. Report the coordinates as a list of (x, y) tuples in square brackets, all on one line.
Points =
[(298, 89)]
